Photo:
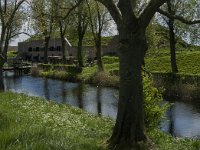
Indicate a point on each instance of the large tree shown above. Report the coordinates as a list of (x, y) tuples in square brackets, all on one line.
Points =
[(9, 13), (131, 23)]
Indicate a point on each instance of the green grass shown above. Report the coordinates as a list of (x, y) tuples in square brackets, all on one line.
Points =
[(33, 123), (187, 61), (156, 61), (88, 74), (36, 124)]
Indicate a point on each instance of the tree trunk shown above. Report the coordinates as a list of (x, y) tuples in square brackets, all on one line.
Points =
[(172, 46), (80, 49), (172, 38), (1, 78), (129, 129), (99, 60), (46, 49), (64, 52)]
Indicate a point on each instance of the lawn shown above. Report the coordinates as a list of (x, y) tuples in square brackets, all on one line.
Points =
[(188, 62), (33, 123)]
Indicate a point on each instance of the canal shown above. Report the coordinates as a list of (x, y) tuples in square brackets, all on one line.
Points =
[(182, 119)]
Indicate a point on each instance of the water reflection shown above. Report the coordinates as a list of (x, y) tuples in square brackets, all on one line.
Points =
[(93, 99), (183, 119), (99, 100)]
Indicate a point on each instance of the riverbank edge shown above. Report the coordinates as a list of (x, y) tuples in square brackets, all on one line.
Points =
[(185, 87), (180, 86), (103, 79), (36, 123)]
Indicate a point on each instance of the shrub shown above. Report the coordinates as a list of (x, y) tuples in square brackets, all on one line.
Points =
[(45, 67), (12, 54), (104, 79), (154, 111)]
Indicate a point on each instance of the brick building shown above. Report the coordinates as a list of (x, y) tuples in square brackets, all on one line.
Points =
[(34, 50)]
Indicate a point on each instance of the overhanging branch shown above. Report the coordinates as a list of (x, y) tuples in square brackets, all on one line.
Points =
[(180, 18)]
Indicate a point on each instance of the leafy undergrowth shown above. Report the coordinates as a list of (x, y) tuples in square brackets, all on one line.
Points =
[(36, 124)]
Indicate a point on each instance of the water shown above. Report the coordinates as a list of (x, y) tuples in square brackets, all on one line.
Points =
[(183, 119), (93, 99)]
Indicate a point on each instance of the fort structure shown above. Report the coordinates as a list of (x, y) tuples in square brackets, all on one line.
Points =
[(34, 50)]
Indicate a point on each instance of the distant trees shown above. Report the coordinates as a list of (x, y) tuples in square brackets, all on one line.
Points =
[(64, 12), (172, 12), (11, 19), (43, 21), (98, 16)]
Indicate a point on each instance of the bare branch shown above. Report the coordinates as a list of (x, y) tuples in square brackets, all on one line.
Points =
[(180, 18), (149, 11), (114, 11)]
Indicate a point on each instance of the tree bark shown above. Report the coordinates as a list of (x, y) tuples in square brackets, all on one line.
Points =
[(46, 49), (172, 47), (1, 78), (98, 49), (80, 50), (172, 38), (64, 51), (129, 128)]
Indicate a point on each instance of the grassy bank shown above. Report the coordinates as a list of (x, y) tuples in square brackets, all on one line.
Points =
[(184, 85), (87, 75), (33, 123), (187, 61)]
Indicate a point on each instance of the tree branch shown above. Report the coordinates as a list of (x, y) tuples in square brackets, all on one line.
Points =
[(114, 11), (126, 9), (180, 18), (149, 11)]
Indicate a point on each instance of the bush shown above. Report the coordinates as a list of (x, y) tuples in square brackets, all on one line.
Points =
[(104, 79), (12, 54), (45, 67), (154, 111)]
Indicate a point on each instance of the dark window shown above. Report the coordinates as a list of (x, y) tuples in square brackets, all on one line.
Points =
[(51, 48), (37, 49), (59, 48), (30, 49)]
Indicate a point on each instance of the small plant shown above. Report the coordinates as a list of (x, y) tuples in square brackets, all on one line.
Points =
[(154, 111)]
